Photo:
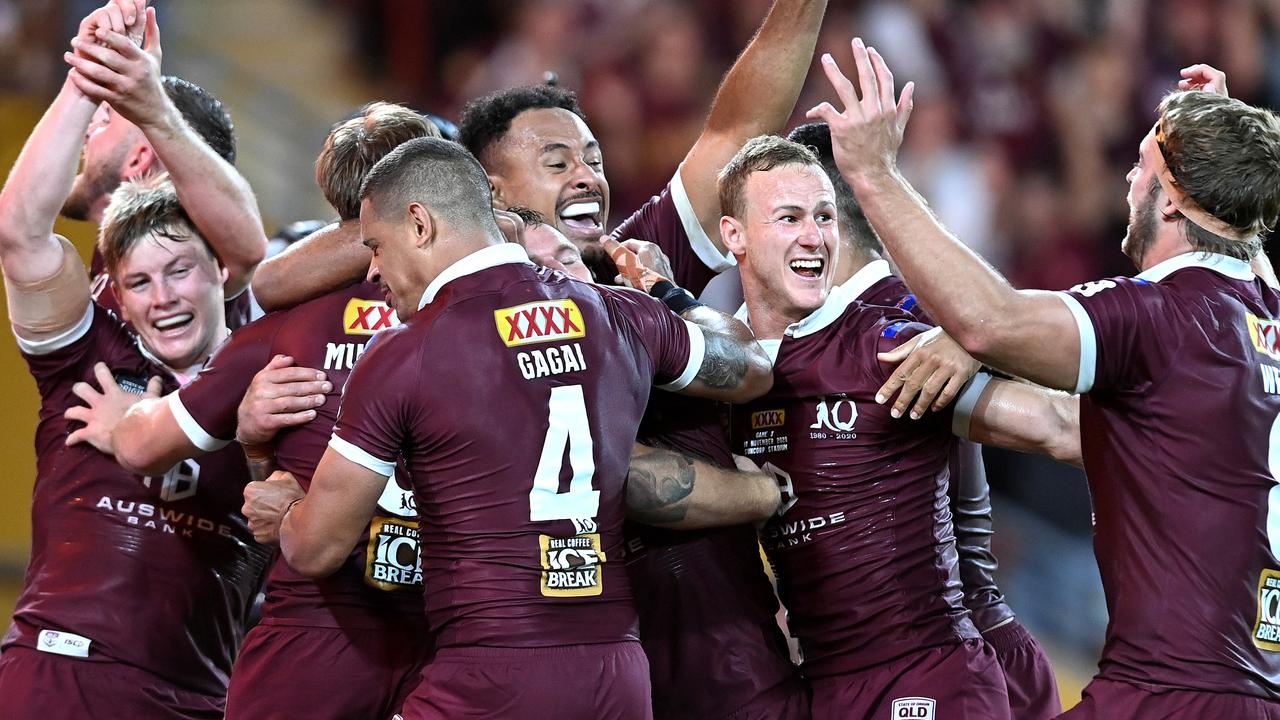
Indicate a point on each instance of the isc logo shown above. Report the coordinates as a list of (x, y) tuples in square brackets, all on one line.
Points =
[(539, 322), (768, 419), (366, 317), (1265, 335)]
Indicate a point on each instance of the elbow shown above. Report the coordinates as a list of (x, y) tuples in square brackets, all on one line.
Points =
[(265, 286), (138, 457), (758, 378)]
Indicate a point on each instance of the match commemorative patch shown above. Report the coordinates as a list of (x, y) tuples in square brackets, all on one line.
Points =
[(366, 317), (393, 562), (539, 322), (913, 708), (1266, 629), (572, 566)]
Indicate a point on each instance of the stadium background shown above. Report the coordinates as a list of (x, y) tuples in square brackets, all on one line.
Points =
[(1027, 117)]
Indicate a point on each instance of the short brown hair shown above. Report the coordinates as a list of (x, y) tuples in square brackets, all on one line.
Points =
[(1225, 155), (147, 205), (760, 154), (356, 145)]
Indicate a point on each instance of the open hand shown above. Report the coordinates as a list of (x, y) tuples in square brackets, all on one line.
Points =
[(103, 409)]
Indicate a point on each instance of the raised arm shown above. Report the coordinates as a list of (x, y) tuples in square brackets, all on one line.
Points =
[(756, 97), (1029, 333), (328, 259), (1024, 417), (214, 194), (672, 490)]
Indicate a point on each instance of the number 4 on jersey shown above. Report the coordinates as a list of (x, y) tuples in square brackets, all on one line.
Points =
[(567, 425)]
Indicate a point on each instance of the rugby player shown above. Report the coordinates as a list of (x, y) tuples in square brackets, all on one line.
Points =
[(1033, 690), (1175, 367), (863, 547), (138, 588), (365, 622), (147, 123), (515, 571)]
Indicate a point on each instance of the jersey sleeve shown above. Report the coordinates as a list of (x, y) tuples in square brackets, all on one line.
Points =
[(206, 407), (374, 418), (1127, 332), (668, 220), (97, 337), (674, 345)]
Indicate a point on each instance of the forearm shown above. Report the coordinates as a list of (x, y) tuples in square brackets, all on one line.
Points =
[(149, 441), (759, 92), (39, 184), (214, 194), (329, 259), (959, 289), (306, 547), (1028, 418), (261, 460), (667, 489)]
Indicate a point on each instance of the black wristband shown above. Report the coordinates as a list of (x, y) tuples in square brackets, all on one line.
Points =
[(674, 296)]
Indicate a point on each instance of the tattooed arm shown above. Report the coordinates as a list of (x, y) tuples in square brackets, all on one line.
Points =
[(671, 490), (735, 368)]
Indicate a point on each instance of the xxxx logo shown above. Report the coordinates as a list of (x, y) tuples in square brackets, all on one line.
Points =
[(768, 419), (1265, 335), (538, 322), (366, 317)]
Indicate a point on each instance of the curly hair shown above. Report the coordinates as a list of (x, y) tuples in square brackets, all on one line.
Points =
[(486, 120)]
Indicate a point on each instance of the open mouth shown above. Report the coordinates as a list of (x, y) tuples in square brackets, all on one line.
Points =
[(173, 322), (581, 215), (807, 268)]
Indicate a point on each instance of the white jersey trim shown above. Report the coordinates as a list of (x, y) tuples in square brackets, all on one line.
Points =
[(360, 457), (58, 342), (962, 416), (1088, 344), (1221, 264), (701, 244), (483, 259), (697, 353), (192, 429)]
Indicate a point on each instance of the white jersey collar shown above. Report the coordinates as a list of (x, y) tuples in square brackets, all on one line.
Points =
[(1221, 264), (870, 274), (483, 259)]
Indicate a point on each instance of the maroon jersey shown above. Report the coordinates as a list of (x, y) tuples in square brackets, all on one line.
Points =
[(669, 221), (381, 581), (1180, 370), (708, 614), (863, 547), (875, 284), (514, 396), (238, 308), (158, 573)]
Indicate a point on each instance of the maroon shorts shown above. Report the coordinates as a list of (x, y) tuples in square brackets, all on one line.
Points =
[(951, 682), (1106, 699), (284, 671), (788, 700), (40, 686), (571, 682), (1033, 690)]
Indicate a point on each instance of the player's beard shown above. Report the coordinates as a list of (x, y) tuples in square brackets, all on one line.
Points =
[(1141, 232), (89, 187)]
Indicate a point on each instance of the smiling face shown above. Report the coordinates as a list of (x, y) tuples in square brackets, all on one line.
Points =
[(550, 162), (785, 241), (170, 287)]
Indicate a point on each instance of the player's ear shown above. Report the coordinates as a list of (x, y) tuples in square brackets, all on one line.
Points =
[(499, 192), (424, 225), (732, 233), (140, 160)]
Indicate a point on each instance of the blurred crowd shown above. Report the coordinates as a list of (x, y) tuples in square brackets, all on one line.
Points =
[(1027, 116)]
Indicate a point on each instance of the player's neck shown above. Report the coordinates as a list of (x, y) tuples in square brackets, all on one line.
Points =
[(1166, 246)]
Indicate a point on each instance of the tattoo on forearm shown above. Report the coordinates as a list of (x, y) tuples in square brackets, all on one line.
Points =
[(658, 485), (725, 364)]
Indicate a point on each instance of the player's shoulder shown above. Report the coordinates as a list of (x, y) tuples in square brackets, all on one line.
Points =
[(657, 209)]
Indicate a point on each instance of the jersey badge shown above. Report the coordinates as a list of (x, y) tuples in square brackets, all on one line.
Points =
[(1265, 334), (572, 566), (768, 419), (393, 562), (539, 322), (366, 317), (1266, 628), (913, 708)]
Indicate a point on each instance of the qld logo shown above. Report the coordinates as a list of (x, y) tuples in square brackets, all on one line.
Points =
[(913, 708), (836, 415)]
